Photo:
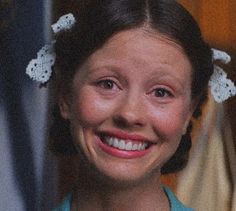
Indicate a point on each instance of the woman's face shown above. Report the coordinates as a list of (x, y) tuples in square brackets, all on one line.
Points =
[(131, 103)]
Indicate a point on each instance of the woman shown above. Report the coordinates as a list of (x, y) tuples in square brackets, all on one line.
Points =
[(129, 76)]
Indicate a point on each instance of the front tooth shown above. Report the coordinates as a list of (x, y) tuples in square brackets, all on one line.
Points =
[(121, 145), (116, 143), (128, 146)]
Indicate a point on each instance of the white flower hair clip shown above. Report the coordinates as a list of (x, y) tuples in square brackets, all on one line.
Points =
[(221, 87), (65, 22), (40, 69)]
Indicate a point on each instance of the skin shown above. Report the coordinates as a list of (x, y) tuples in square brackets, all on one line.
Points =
[(137, 85)]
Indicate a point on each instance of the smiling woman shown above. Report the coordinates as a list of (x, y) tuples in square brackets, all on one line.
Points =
[(129, 76), (131, 93)]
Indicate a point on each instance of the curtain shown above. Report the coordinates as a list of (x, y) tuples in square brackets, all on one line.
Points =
[(27, 170)]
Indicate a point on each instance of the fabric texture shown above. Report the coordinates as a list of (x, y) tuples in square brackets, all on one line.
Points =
[(211, 170), (176, 205), (28, 171)]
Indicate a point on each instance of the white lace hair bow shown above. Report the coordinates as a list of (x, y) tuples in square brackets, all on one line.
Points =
[(40, 69), (221, 87)]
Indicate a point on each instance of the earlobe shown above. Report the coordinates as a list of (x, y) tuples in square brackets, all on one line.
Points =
[(185, 128), (64, 109), (192, 109), (189, 117), (184, 131)]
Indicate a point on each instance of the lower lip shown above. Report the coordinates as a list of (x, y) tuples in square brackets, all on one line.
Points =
[(121, 153)]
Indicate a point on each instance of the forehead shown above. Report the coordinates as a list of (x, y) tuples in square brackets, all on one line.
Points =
[(143, 34), (142, 47)]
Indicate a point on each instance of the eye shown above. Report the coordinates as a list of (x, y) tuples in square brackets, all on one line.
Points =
[(106, 84), (162, 92)]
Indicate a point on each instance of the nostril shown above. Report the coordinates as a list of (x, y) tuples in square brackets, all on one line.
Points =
[(126, 121), (120, 122)]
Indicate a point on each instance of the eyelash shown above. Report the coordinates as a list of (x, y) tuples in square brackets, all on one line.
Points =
[(106, 84), (165, 93)]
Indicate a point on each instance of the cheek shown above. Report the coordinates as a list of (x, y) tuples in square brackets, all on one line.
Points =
[(90, 109), (169, 123)]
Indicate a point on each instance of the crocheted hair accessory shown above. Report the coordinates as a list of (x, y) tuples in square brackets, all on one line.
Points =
[(40, 69), (221, 87), (65, 22)]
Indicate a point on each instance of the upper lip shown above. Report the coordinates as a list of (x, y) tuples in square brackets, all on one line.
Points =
[(125, 135)]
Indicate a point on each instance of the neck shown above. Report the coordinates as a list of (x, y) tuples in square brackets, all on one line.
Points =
[(101, 194)]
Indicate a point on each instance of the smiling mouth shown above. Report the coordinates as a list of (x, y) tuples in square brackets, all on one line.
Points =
[(124, 144)]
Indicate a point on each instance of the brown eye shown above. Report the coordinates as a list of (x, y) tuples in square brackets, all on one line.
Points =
[(161, 92), (106, 84)]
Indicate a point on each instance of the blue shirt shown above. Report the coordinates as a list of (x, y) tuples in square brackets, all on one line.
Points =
[(175, 204)]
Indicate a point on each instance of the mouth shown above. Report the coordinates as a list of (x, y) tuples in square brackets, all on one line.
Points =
[(124, 144)]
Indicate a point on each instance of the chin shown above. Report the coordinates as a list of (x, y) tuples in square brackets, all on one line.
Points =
[(119, 176)]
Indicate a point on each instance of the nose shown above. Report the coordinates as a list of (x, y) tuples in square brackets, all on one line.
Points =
[(130, 113)]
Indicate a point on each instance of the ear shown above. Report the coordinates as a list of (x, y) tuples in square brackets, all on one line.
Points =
[(186, 124), (191, 110), (64, 108)]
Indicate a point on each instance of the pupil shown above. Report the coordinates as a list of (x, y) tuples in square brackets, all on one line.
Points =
[(108, 84), (160, 93)]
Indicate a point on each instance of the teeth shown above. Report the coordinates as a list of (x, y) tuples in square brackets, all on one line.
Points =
[(128, 146), (135, 147), (115, 143), (139, 146), (110, 141), (121, 145), (125, 145)]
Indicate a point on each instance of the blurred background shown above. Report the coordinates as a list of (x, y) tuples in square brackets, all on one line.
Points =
[(31, 178), (26, 168)]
